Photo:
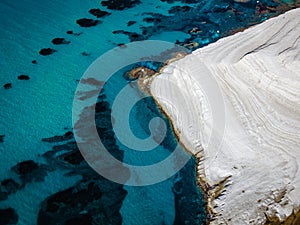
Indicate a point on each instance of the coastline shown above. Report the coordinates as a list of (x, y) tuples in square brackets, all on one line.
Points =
[(212, 190)]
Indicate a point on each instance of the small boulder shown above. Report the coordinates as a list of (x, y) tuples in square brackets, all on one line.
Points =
[(87, 22), (7, 86), (23, 77), (59, 41), (47, 51)]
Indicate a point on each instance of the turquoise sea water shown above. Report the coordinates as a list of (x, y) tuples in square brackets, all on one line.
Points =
[(42, 106)]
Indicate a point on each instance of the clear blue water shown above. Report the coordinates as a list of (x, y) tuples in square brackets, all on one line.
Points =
[(42, 106)]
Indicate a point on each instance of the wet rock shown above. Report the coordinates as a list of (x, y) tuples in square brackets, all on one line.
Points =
[(195, 31), (138, 72), (23, 77), (59, 41), (130, 23), (47, 51), (7, 86), (8, 216), (34, 62), (87, 22), (10, 186), (67, 136), (99, 13), (120, 4)]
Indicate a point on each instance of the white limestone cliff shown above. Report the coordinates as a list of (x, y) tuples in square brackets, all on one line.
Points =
[(235, 104)]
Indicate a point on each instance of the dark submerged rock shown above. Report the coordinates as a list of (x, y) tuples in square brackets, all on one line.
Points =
[(179, 9), (29, 171), (2, 138), (152, 20), (34, 62), (67, 136), (87, 22), (74, 158), (25, 167), (183, 1), (8, 216), (189, 203), (10, 186), (23, 77), (59, 41), (131, 35), (99, 13), (120, 4), (47, 51), (7, 86), (130, 23), (85, 54), (3, 195), (69, 32), (95, 201)]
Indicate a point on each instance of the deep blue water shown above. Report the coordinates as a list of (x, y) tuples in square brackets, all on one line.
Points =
[(58, 187)]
